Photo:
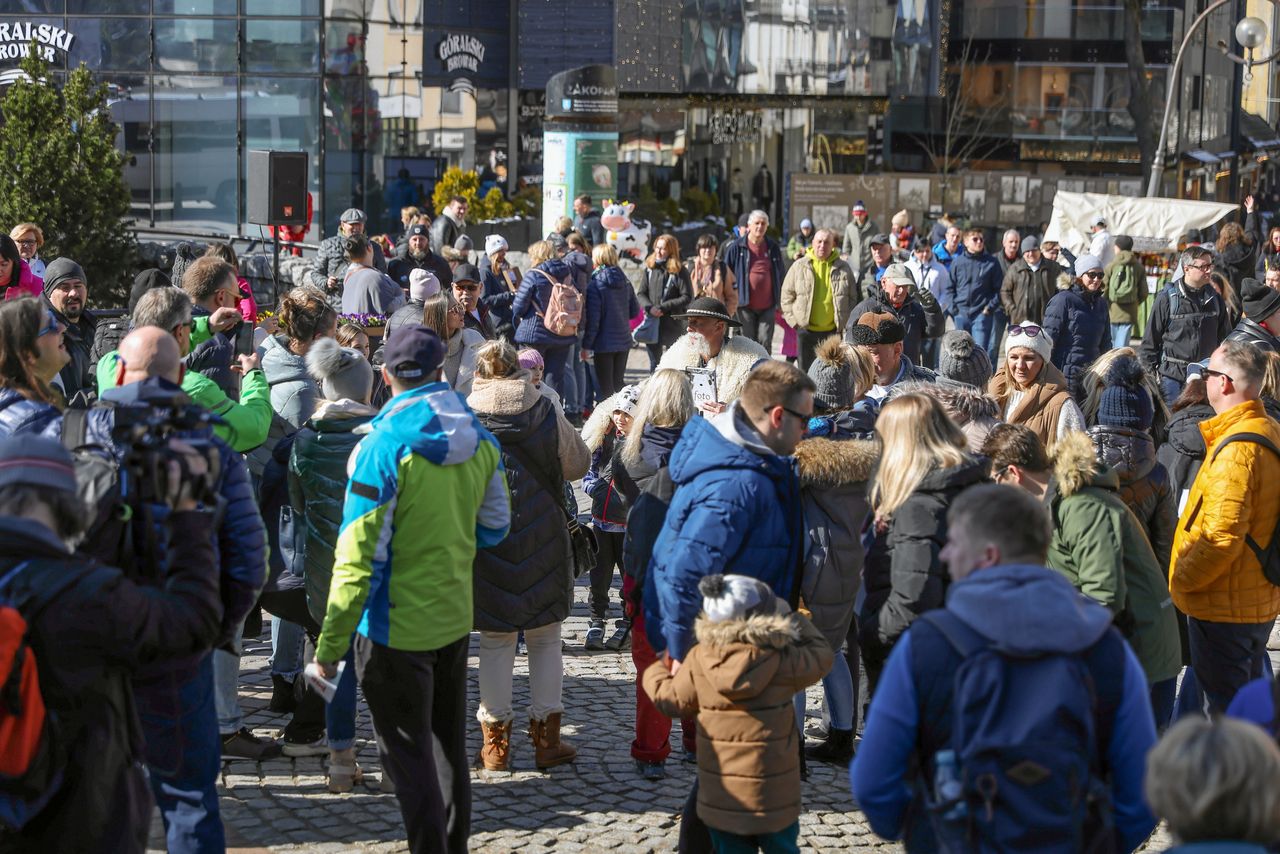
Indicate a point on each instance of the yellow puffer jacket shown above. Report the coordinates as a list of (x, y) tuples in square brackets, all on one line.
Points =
[(1214, 575)]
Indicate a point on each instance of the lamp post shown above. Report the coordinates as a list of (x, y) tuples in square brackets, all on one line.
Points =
[(1251, 33)]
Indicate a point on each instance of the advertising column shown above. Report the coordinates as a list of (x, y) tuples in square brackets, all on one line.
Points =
[(579, 140)]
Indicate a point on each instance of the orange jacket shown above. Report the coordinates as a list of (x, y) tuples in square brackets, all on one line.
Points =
[(1214, 575)]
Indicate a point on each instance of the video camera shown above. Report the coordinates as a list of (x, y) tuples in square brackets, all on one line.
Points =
[(157, 434)]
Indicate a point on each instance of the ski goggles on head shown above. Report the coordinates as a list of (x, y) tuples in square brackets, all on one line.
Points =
[(1028, 329)]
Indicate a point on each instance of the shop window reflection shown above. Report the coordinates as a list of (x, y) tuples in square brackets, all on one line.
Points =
[(195, 44), (110, 44), (194, 148), (281, 113), (288, 46)]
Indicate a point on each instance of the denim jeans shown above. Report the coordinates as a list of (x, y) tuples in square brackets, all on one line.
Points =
[(1120, 335), (1163, 697), (556, 359), (573, 385), (838, 688), (1225, 656), (340, 715), (226, 688), (981, 327), (287, 642), (180, 726)]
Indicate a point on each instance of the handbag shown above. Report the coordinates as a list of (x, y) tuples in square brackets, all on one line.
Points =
[(582, 543), (647, 331)]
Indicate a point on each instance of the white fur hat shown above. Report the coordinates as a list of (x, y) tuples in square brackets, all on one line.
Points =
[(735, 597), (494, 243), (1031, 337)]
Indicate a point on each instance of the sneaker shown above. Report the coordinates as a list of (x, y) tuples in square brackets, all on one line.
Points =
[(620, 636), (245, 745), (595, 636), (651, 771), (318, 747), (818, 730)]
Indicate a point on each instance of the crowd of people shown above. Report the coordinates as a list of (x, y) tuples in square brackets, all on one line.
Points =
[(1033, 569)]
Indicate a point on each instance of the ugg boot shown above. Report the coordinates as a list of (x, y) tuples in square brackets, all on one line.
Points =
[(549, 751), (495, 754)]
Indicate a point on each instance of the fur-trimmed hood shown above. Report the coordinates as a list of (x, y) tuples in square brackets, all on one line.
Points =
[(600, 424), (1075, 466), (828, 463), (737, 357), (507, 396), (766, 631)]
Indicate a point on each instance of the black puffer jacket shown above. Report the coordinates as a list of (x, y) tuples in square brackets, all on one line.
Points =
[(647, 493), (526, 581), (1184, 326), (1183, 449), (1250, 332), (904, 577), (1144, 483)]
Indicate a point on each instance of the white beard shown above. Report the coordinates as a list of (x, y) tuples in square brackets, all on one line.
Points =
[(698, 344)]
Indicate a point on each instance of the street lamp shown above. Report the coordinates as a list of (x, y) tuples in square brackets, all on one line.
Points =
[(1250, 33)]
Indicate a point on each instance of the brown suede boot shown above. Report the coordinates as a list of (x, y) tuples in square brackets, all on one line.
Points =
[(549, 751), (496, 752)]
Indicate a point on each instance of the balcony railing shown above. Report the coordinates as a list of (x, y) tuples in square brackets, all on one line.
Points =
[(1018, 19), (1072, 123)]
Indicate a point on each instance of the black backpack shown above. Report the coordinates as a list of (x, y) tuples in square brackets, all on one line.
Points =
[(109, 537), (1268, 558)]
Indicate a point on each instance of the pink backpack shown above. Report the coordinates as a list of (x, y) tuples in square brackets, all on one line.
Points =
[(564, 309)]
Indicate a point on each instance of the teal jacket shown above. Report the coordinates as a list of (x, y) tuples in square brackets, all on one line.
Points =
[(427, 488)]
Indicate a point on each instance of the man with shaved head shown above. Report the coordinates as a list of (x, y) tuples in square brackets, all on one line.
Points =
[(176, 699)]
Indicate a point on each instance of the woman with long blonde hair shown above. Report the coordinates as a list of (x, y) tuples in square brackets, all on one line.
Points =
[(924, 465), (664, 407), (664, 291)]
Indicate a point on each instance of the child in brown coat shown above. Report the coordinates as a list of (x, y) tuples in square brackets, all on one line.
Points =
[(751, 658)]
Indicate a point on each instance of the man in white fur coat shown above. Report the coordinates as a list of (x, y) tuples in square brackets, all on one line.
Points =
[(707, 345)]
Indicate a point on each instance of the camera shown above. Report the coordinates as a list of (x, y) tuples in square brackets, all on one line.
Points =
[(156, 434)]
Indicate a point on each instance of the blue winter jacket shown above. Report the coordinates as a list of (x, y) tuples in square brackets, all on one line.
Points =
[(532, 297), (240, 544), (19, 414), (611, 303), (736, 509), (1080, 326), (1011, 606), (974, 285), (738, 258)]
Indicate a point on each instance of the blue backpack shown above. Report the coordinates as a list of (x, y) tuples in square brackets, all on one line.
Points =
[(1022, 772)]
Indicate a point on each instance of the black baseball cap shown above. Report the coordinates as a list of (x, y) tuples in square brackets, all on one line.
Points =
[(413, 351), (466, 273)]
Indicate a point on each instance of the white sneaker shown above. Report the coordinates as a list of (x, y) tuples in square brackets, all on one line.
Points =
[(319, 747)]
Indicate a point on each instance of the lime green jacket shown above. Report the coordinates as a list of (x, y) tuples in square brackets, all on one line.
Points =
[(245, 423)]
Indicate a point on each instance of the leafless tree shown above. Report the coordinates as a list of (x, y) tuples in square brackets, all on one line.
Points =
[(1141, 107)]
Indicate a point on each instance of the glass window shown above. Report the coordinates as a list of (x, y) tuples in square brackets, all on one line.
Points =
[(195, 44), (129, 102), (14, 41), (111, 44), (280, 8), (344, 47), (31, 7), (108, 7), (194, 154), (346, 8), (291, 46), (195, 7), (282, 114)]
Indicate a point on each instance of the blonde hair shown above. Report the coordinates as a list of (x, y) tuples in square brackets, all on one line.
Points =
[(564, 225), (917, 438), (1216, 779), (666, 400), (864, 370), (540, 251), (496, 360), (1271, 379), (604, 255), (673, 254), (22, 228), (410, 212)]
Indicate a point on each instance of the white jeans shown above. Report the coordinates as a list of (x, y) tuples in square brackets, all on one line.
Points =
[(546, 673)]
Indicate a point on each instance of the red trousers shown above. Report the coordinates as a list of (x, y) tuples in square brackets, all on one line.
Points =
[(653, 729)]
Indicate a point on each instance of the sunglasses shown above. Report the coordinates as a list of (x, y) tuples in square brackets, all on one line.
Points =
[(1028, 329), (1210, 372), (469, 288), (791, 412), (1092, 274), (51, 325)]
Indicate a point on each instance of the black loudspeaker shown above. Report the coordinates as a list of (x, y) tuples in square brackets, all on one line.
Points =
[(278, 187)]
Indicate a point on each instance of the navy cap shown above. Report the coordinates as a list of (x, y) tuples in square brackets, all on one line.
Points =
[(418, 230), (413, 351), (36, 461)]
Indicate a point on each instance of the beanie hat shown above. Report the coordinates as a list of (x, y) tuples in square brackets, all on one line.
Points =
[(1260, 301), (1085, 263), (36, 461), (343, 373), (1125, 401), (832, 373), (881, 328), (736, 597), (1040, 343), (464, 243), (184, 254), (494, 243), (61, 270), (423, 285), (626, 399), (530, 359), (145, 281), (961, 359)]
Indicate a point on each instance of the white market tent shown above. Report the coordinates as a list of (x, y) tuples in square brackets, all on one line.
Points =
[(1155, 224)]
